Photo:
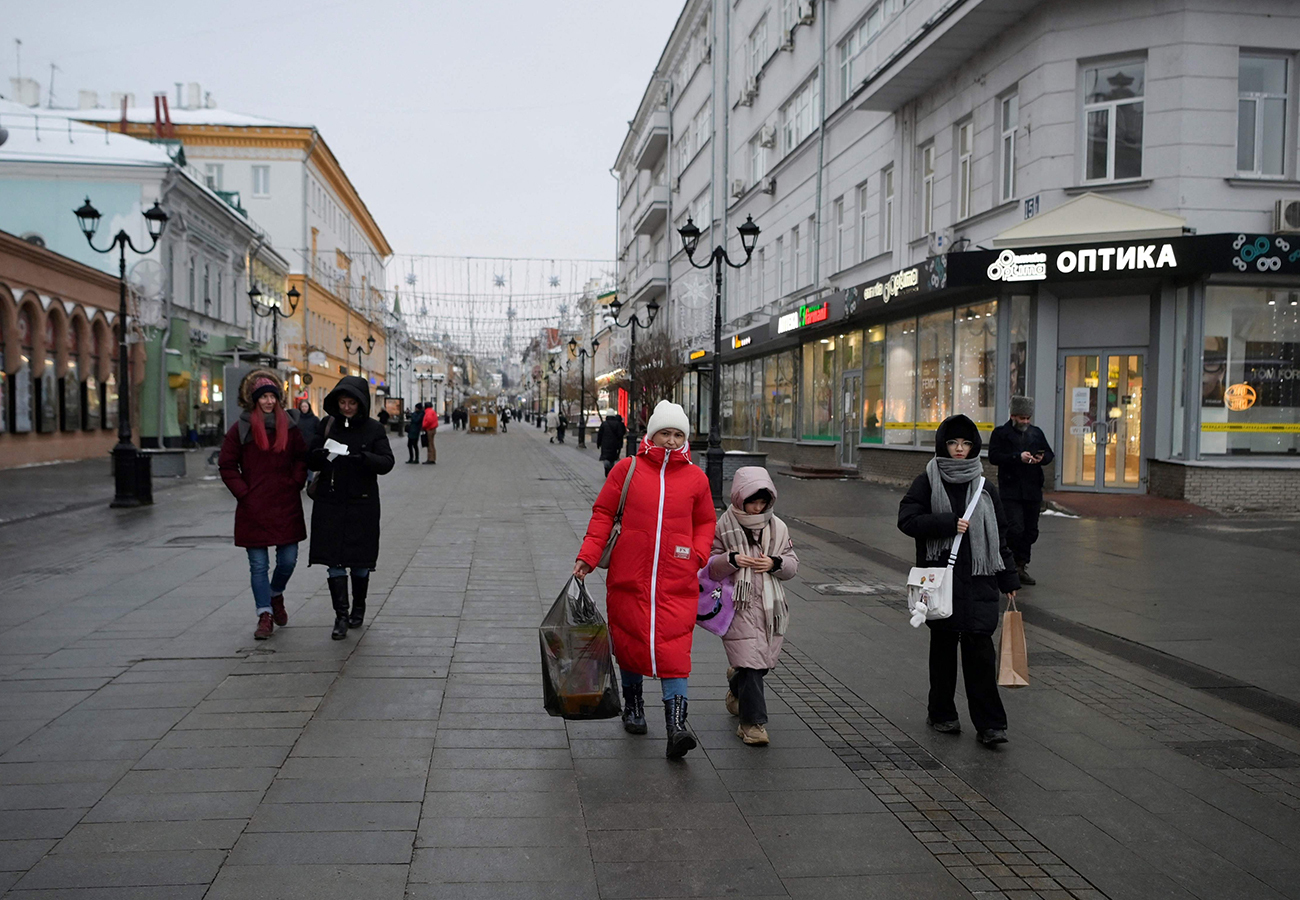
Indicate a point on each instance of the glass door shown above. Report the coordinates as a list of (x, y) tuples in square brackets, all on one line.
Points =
[(1101, 439), (851, 433)]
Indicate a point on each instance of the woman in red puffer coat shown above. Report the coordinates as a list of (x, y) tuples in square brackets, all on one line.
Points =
[(652, 589)]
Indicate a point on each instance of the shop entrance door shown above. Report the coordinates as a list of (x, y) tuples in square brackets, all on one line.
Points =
[(1101, 435), (851, 433)]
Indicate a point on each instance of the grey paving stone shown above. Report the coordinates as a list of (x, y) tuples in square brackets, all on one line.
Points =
[(323, 848), (931, 886), (62, 772), (814, 802), (383, 698), (93, 870), (694, 878), (119, 837), (552, 831), (135, 892), (19, 856), (483, 804), (330, 790), (213, 758), (637, 815), (236, 737), (677, 843), (497, 738), (502, 780), (848, 844), (306, 817), (175, 807), (193, 781), (449, 758), (31, 824), (235, 721), (499, 890), (451, 864), (306, 882), (354, 767), (52, 796), (242, 685)]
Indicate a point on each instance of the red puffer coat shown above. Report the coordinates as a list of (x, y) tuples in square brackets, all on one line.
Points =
[(653, 589), (267, 486)]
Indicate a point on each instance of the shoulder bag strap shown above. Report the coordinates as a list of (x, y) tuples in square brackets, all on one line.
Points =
[(622, 498), (970, 511)]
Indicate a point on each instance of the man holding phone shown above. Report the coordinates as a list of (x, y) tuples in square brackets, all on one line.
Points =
[(1019, 449)]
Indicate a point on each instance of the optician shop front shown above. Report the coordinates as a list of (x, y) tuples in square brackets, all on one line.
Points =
[(1165, 365)]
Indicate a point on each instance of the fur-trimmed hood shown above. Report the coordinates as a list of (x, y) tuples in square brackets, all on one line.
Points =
[(246, 386)]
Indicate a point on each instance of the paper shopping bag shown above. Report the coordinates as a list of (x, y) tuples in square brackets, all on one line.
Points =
[(1013, 668)]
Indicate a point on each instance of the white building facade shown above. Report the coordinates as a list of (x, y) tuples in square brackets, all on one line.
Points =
[(962, 201)]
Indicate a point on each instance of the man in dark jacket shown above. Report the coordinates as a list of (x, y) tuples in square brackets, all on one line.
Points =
[(609, 438), (414, 428), (1019, 449)]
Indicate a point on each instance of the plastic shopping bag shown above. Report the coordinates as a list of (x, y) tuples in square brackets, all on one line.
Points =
[(1013, 669), (578, 680)]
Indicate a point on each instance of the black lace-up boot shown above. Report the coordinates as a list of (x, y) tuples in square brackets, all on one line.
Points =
[(359, 588), (633, 710), (339, 597), (680, 739)]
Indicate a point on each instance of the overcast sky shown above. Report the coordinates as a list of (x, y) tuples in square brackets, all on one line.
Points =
[(484, 128)]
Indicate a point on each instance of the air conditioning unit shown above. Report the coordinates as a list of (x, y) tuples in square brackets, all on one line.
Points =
[(787, 40), (750, 92), (805, 12), (677, 185), (737, 187), (1286, 216), (769, 186), (767, 136)]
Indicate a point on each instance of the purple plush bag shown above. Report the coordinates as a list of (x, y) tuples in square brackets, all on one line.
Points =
[(717, 605)]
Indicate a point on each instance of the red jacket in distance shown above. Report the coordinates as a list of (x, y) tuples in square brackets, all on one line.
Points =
[(267, 487), (430, 419), (653, 588)]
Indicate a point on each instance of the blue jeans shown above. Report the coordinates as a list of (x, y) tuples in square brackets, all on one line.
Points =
[(339, 571), (259, 562), (671, 687)]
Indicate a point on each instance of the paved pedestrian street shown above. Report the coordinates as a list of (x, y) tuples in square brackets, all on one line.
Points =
[(149, 748)]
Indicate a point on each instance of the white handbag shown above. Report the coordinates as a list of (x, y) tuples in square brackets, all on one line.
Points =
[(929, 591)]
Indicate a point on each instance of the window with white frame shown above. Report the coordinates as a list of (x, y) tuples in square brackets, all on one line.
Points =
[(810, 247), (1112, 113), (1261, 115), (261, 181), (758, 47), (849, 49), (780, 267), (212, 173), (841, 229), (1009, 120), (887, 209), (761, 273), (797, 264), (799, 115), (757, 160), (926, 193), (787, 17), (965, 139)]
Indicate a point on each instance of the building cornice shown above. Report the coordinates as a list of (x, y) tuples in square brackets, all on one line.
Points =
[(62, 265)]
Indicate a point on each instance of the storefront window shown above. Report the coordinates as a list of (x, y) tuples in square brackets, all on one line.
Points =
[(4, 381), (776, 407), (873, 386), (735, 400), (47, 406), (1018, 370), (1179, 399), (935, 385), (23, 385), (976, 362), (820, 388), (900, 387), (1250, 371)]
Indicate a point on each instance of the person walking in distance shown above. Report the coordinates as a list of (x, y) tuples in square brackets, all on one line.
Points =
[(350, 452), (1019, 449), (551, 423), (414, 428), (430, 425), (308, 421), (753, 547), (930, 512), (561, 423), (609, 438), (263, 462), (652, 587)]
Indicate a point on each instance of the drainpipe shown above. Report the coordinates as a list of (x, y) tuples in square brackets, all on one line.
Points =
[(821, 152), (723, 138)]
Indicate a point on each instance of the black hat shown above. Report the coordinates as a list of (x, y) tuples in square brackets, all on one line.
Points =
[(955, 427)]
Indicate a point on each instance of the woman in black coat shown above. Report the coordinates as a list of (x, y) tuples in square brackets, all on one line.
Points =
[(345, 516), (984, 567)]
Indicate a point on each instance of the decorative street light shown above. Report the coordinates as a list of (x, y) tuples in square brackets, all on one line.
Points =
[(360, 351), (634, 323), (275, 312), (581, 353), (559, 376), (126, 491), (690, 233)]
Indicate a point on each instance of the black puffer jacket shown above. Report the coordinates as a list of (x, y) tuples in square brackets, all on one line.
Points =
[(609, 437), (345, 516), (974, 597), (1018, 480)]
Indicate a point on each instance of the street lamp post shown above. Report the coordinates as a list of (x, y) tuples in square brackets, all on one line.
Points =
[(275, 312), (126, 491), (652, 308), (360, 351), (559, 376), (582, 354), (690, 233)]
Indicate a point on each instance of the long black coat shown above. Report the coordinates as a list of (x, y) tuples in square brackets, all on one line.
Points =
[(609, 437), (1018, 480), (974, 597), (345, 516)]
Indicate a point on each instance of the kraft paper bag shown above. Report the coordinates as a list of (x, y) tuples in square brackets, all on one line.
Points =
[(1013, 668)]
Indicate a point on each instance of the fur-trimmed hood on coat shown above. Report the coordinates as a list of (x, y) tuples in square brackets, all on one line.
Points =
[(249, 380)]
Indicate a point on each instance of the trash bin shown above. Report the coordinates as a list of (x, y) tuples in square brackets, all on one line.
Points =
[(144, 477)]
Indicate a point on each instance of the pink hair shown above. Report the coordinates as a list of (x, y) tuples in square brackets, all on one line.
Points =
[(258, 423)]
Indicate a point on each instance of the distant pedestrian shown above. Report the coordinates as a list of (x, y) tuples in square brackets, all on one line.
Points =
[(345, 516), (930, 513), (609, 438), (550, 423), (561, 423), (753, 547), (505, 419), (1019, 449), (652, 587), (308, 421), (383, 417), (263, 462), (430, 425), (414, 428)]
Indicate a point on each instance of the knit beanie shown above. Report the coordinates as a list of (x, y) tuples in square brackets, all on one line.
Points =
[(1022, 406), (668, 415), (265, 385)]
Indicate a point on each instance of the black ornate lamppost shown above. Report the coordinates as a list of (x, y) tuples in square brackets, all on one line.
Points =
[(690, 241), (652, 309), (559, 376), (582, 354), (126, 489), (275, 312), (360, 351)]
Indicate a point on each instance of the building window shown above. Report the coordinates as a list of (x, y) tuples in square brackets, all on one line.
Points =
[(975, 363), (758, 47), (1261, 115), (1010, 107), (934, 386), (757, 160), (873, 385), (841, 227), (900, 382), (797, 257), (1112, 112), (799, 115), (780, 267), (849, 49), (776, 408), (927, 188), (191, 282), (965, 137), (261, 181), (863, 251), (787, 19), (212, 173)]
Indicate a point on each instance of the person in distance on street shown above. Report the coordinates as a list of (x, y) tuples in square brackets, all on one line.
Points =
[(430, 424), (308, 421), (609, 438), (753, 547), (930, 513), (652, 587), (1019, 449), (414, 428), (345, 516), (263, 462)]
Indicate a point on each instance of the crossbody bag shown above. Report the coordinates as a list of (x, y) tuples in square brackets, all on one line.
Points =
[(929, 590)]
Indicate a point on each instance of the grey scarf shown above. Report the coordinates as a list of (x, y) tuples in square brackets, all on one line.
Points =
[(982, 536)]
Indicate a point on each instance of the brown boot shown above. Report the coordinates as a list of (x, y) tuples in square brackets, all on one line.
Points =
[(733, 705), (264, 627), (278, 612), (754, 735)]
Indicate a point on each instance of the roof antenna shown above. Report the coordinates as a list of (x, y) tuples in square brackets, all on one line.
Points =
[(53, 69), (18, 55)]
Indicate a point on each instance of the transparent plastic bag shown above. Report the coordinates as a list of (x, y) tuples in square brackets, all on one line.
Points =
[(578, 680)]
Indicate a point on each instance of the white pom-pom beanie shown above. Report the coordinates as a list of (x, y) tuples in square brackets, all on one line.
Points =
[(668, 415)]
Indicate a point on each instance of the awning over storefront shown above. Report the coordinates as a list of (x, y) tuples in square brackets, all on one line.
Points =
[(1092, 217)]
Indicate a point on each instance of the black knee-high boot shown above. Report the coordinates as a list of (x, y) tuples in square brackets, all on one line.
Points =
[(680, 739), (339, 597), (359, 588)]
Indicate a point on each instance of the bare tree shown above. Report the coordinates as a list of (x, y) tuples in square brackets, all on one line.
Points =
[(659, 369)]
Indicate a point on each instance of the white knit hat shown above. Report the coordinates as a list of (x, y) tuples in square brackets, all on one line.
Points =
[(668, 415)]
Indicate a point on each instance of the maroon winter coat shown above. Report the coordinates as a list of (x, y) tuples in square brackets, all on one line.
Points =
[(267, 485)]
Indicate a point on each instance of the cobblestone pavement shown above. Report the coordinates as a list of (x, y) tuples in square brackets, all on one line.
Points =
[(150, 749)]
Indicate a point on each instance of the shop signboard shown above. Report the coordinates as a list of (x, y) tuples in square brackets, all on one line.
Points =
[(828, 310), (906, 284)]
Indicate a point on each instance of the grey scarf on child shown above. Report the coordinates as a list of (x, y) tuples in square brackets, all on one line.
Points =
[(982, 535)]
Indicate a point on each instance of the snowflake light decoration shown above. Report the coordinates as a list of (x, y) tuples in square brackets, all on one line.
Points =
[(696, 292), (555, 281), (499, 280)]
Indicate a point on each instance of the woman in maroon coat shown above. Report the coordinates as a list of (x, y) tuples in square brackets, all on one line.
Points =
[(264, 463)]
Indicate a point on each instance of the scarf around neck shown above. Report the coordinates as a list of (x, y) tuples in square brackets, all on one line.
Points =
[(738, 531), (982, 535)]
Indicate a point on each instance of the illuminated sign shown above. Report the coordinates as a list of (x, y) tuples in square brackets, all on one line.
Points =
[(1118, 259), (889, 288), (1239, 396), (1012, 266), (788, 322), (808, 314), (737, 342), (698, 354)]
